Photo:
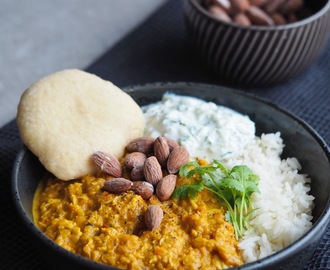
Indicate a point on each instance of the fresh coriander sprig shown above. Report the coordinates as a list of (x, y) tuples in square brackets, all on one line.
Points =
[(234, 187)]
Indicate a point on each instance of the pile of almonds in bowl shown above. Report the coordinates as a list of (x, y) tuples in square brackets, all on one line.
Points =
[(258, 12), (152, 164)]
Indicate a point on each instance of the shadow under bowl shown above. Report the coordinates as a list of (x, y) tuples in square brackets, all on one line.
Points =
[(300, 139)]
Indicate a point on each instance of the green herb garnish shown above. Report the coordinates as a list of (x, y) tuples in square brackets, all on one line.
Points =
[(234, 187)]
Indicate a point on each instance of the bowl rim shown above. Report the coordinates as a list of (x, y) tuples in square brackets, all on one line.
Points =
[(299, 23), (322, 222)]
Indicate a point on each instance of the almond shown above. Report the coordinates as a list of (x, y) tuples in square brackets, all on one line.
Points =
[(134, 159), (258, 16), (107, 163), (117, 185), (152, 170), (239, 6), (273, 6), (224, 4), (143, 188), (161, 150), (219, 13), (171, 143), (137, 173), (242, 19), (291, 6), (258, 3), (278, 19), (178, 157), (153, 217), (165, 187), (143, 144)]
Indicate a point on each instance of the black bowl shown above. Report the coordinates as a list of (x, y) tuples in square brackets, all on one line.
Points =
[(300, 139), (257, 55)]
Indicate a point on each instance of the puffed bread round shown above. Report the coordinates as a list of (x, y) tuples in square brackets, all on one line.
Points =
[(67, 116)]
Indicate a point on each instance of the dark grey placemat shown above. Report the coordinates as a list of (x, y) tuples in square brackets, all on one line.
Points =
[(159, 51)]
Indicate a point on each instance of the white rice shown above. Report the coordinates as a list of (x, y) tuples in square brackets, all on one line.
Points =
[(283, 205)]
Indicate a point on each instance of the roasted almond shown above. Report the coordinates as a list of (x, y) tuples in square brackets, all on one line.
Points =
[(171, 143), (224, 4), (242, 19), (273, 6), (219, 13), (165, 187), (143, 144), (161, 150), (137, 173), (134, 159), (291, 6), (239, 6), (259, 3), (143, 188), (107, 163), (278, 19), (117, 185), (178, 157), (153, 217), (258, 16), (152, 170)]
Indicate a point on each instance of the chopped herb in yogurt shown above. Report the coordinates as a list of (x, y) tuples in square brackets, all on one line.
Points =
[(208, 130)]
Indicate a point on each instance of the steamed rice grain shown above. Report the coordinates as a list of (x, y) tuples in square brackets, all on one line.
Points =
[(283, 206)]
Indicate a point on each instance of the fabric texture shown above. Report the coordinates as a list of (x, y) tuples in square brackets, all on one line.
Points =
[(159, 50)]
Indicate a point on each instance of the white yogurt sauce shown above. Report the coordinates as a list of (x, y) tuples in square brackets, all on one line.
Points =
[(207, 130)]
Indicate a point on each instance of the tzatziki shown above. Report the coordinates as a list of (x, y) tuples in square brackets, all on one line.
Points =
[(207, 130)]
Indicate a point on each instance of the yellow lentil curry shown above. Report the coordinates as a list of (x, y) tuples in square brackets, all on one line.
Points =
[(110, 229)]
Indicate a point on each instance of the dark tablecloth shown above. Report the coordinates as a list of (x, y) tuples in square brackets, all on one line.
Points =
[(159, 50)]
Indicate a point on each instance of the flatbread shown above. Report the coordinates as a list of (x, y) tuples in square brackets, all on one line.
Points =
[(65, 117)]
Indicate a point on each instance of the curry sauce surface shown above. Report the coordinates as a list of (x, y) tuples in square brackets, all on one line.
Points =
[(110, 229)]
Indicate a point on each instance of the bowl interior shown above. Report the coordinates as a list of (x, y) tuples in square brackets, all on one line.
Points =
[(316, 5), (300, 139)]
